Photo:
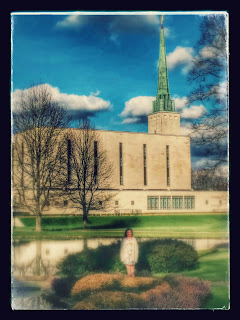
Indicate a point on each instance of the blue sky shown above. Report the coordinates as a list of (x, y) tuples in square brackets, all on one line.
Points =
[(105, 65)]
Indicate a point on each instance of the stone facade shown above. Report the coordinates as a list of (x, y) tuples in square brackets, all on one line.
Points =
[(164, 123), (156, 160)]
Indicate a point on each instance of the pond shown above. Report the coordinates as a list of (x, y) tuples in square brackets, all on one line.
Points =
[(35, 262)]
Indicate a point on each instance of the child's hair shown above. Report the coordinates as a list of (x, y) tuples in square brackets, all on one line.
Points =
[(125, 234)]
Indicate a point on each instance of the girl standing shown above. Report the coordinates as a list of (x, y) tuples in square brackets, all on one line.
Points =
[(129, 252)]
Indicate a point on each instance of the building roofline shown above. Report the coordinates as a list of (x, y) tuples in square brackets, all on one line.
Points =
[(165, 111), (128, 132), (131, 132)]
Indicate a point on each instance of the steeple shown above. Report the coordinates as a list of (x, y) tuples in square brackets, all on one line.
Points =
[(163, 100)]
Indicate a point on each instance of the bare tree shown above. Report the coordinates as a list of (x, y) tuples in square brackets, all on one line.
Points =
[(209, 74), (37, 149), (208, 179), (89, 171)]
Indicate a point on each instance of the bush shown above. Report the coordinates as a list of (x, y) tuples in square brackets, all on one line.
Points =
[(183, 293), (168, 256), (110, 300), (96, 282), (115, 291), (155, 256), (62, 286), (102, 259)]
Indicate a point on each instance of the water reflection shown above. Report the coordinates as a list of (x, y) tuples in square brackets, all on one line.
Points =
[(39, 258), (32, 302)]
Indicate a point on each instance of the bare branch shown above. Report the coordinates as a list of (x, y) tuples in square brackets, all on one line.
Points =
[(209, 74), (38, 149), (90, 170)]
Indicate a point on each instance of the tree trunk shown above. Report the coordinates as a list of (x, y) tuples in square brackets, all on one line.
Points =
[(84, 244), (38, 257), (85, 219), (38, 223)]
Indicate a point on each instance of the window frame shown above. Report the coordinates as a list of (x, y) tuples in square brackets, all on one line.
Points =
[(179, 202), (162, 202), (189, 200), (150, 200)]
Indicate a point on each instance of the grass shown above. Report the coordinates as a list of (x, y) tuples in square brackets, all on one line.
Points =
[(219, 299), (181, 225), (214, 267)]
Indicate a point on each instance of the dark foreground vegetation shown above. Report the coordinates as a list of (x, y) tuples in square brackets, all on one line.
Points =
[(96, 279), (101, 291), (156, 256)]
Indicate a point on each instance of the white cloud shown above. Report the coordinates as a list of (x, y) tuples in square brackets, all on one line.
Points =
[(72, 21), (181, 56), (185, 128), (72, 102), (131, 120), (220, 90), (193, 112), (95, 93), (116, 23), (207, 52), (180, 103), (137, 108), (203, 162), (168, 33)]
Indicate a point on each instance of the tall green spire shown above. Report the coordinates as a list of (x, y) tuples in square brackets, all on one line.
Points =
[(163, 100)]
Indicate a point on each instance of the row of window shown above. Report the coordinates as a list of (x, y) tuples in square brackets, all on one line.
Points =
[(165, 202), (174, 202)]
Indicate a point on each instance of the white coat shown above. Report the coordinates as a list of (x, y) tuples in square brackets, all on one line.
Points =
[(129, 251)]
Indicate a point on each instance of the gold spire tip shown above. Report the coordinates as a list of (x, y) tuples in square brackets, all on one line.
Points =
[(162, 19)]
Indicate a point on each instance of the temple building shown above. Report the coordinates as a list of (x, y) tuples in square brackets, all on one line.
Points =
[(153, 170)]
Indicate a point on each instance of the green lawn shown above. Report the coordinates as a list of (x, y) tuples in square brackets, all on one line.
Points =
[(193, 226), (213, 267)]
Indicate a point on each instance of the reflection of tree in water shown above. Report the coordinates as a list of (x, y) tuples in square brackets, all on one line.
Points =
[(30, 303), (35, 267)]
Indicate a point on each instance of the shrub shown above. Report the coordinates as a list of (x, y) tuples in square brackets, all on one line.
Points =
[(111, 300), (62, 286), (78, 264), (116, 281), (164, 287), (182, 293), (155, 256), (115, 291), (95, 282), (102, 259), (137, 282), (169, 256)]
